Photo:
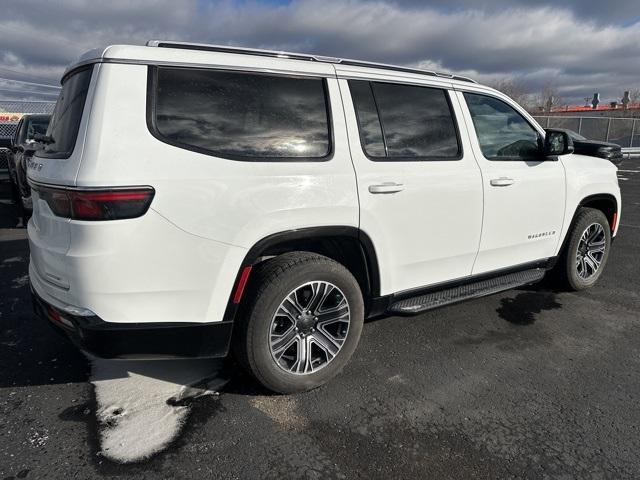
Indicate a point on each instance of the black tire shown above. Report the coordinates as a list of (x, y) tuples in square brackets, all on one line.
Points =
[(23, 212), (271, 282), (566, 271), (24, 191)]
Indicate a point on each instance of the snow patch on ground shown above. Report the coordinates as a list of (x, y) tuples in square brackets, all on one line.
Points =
[(38, 438), (142, 405)]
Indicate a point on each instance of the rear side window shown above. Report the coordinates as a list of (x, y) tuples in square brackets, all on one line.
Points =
[(67, 114), (239, 115), (411, 122)]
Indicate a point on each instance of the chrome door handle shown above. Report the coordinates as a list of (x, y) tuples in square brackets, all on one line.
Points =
[(502, 182), (387, 187)]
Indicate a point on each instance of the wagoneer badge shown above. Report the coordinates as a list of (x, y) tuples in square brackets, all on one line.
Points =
[(541, 234)]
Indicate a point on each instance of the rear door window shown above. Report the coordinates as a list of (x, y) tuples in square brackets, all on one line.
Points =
[(241, 115), (67, 114), (405, 122)]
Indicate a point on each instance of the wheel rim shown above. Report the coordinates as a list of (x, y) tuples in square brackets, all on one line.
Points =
[(591, 250), (309, 328)]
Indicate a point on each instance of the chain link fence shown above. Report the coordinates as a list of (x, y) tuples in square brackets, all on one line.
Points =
[(623, 131)]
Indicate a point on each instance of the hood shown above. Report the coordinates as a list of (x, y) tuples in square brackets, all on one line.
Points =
[(594, 148)]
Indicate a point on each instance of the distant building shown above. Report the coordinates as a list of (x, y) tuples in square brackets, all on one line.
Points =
[(632, 111), (594, 108)]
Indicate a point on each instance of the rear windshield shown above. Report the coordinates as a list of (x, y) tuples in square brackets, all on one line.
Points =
[(65, 121)]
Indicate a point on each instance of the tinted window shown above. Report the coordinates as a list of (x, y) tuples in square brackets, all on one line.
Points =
[(242, 114), (416, 122), (65, 120), (503, 133), (34, 126), (369, 123)]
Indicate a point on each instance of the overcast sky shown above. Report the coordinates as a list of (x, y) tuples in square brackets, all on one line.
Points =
[(576, 46)]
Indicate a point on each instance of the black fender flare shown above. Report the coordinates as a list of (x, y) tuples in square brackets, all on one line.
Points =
[(586, 201), (254, 254)]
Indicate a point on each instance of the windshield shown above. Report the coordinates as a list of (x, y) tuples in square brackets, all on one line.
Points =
[(65, 120), (575, 136)]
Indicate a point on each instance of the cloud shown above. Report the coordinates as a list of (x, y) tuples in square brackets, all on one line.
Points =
[(579, 47)]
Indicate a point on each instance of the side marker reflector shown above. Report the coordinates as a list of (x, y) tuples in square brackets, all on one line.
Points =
[(242, 283)]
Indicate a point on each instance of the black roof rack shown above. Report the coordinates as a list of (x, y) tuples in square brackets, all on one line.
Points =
[(300, 56)]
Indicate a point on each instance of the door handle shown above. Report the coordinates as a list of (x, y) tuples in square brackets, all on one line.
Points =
[(387, 187), (502, 182)]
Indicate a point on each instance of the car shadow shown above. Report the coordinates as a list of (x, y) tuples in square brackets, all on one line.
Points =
[(524, 308)]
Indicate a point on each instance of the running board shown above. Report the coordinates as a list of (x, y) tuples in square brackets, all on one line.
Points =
[(476, 289)]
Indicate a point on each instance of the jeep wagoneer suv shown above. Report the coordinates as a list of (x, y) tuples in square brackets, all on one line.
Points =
[(192, 199)]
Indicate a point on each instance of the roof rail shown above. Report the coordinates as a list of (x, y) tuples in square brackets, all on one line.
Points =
[(300, 56)]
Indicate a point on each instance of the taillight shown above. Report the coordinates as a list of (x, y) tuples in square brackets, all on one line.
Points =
[(98, 203)]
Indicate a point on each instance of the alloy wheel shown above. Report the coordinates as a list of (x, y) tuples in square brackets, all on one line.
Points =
[(591, 250), (309, 328)]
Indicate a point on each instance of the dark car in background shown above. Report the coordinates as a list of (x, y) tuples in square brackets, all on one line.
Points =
[(23, 146), (596, 148)]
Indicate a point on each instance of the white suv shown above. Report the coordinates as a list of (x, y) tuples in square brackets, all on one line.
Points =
[(193, 198)]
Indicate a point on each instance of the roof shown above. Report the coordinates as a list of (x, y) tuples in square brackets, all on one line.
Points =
[(176, 52)]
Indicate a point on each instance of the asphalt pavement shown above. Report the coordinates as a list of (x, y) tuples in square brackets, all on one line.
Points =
[(530, 383)]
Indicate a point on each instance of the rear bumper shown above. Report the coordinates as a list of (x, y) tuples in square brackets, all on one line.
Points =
[(137, 340)]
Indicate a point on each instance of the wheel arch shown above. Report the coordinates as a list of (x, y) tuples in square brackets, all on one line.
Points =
[(605, 202), (347, 245)]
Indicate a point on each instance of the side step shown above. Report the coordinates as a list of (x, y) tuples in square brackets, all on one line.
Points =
[(476, 289)]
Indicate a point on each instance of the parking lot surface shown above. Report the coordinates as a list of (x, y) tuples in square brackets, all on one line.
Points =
[(530, 383)]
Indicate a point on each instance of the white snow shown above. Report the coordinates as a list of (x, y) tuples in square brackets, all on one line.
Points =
[(135, 420), (38, 439)]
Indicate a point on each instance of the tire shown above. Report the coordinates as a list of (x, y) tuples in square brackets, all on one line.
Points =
[(261, 334), (24, 192), (568, 270), (23, 212)]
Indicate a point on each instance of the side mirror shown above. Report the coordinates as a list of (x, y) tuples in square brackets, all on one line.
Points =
[(557, 142)]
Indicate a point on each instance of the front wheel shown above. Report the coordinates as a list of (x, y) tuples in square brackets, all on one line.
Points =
[(302, 322), (587, 250)]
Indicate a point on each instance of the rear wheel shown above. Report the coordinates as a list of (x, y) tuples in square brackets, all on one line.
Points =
[(301, 323), (585, 256)]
